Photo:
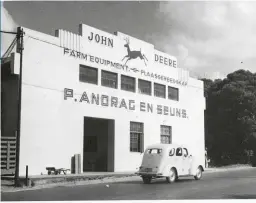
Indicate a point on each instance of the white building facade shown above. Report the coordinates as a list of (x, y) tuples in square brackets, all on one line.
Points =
[(103, 96)]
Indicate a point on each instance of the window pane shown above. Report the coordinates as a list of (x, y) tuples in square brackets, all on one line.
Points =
[(109, 79), (165, 130), (159, 90), (128, 83), (136, 133), (179, 152), (136, 127), (185, 151), (172, 152), (165, 139), (165, 135), (154, 151), (135, 142), (173, 93), (88, 74), (144, 87)]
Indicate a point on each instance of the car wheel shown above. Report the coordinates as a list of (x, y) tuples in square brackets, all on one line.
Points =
[(172, 177), (199, 173), (146, 179)]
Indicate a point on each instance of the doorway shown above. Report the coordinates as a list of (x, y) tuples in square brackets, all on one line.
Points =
[(98, 150)]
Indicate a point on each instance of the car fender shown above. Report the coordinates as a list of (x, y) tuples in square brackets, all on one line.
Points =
[(167, 168), (195, 167)]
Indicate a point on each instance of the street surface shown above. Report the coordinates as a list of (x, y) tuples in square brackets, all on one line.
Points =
[(239, 184)]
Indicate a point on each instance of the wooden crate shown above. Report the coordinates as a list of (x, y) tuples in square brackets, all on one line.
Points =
[(8, 155)]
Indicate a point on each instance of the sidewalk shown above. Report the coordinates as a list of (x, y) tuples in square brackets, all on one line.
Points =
[(227, 168), (49, 181)]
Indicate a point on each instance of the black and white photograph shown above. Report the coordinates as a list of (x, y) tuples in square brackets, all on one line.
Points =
[(128, 100)]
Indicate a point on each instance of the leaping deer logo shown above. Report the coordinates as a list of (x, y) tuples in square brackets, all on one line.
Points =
[(133, 54)]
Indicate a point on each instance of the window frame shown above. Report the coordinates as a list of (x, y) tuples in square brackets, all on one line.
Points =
[(166, 135), (172, 154), (140, 137), (83, 67), (177, 151), (158, 84), (150, 87), (173, 88), (108, 72), (126, 76), (185, 150), (159, 151)]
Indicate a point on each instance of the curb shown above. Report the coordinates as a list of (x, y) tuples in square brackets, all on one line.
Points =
[(216, 170), (109, 179)]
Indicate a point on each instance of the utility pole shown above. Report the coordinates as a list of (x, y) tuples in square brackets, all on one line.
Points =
[(20, 35)]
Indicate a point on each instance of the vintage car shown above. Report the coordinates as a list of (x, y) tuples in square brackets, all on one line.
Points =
[(169, 161)]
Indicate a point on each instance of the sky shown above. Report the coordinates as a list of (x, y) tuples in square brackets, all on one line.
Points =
[(210, 39)]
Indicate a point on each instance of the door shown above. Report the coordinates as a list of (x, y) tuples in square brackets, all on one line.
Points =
[(179, 160), (98, 145), (185, 162)]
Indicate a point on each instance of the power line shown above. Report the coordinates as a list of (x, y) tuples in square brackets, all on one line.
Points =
[(10, 48), (8, 32)]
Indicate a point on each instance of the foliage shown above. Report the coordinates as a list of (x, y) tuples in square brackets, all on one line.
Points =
[(230, 117)]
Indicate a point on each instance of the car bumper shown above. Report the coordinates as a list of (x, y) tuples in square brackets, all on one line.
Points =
[(152, 174)]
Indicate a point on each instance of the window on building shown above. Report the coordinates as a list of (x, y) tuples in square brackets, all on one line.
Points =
[(136, 137), (173, 93), (128, 83), (166, 134), (144, 87), (109, 79), (88, 74), (159, 90)]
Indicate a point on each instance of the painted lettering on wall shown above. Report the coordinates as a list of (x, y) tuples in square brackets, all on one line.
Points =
[(122, 103), (100, 39), (111, 64), (166, 61)]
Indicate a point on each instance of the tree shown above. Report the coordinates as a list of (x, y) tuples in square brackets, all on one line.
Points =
[(230, 117)]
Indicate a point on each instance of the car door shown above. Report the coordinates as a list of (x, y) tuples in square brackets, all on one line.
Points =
[(185, 162), (172, 158), (178, 160)]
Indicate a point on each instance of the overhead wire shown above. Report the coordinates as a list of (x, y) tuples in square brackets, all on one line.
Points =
[(10, 48)]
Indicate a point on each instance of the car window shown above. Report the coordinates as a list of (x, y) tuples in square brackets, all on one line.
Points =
[(172, 151), (178, 152), (185, 152), (154, 151)]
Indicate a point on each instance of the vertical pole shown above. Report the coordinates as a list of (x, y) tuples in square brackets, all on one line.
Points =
[(26, 175), (20, 44)]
